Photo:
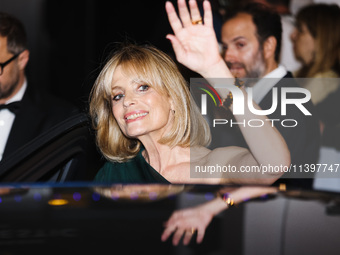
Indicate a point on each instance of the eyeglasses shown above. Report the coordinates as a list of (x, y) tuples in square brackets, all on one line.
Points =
[(2, 65)]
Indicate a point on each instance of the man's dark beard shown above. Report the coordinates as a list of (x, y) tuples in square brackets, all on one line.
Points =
[(235, 64), (251, 77)]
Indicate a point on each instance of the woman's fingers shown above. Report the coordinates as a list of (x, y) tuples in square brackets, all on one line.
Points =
[(177, 236), (167, 232), (184, 13), (208, 17), (174, 21), (177, 46), (200, 234), (188, 235), (187, 18), (179, 232), (195, 13)]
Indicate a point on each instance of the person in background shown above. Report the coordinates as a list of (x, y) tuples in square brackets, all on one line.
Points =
[(251, 37), (317, 46), (287, 57), (24, 112)]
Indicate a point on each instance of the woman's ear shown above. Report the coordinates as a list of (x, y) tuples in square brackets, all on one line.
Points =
[(269, 47), (172, 107), (23, 59)]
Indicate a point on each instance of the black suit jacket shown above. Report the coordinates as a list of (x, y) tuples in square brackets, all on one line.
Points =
[(303, 140), (38, 113), (328, 112)]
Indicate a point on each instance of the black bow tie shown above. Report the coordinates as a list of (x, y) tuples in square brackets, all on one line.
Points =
[(13, 107)]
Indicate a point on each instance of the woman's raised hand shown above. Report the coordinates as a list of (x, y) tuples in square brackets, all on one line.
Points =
[(194, 40)]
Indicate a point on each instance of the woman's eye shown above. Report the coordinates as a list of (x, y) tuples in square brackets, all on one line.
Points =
[(143, 87), (117, 97)]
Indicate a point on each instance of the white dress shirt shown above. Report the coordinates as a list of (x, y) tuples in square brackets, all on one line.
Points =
[(7, 119), (265, 84)]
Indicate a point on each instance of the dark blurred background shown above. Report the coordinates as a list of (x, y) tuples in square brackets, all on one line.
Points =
[(69, 39)]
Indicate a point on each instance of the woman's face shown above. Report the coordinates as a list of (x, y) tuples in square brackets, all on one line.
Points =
[(304, 44), (139, 109)]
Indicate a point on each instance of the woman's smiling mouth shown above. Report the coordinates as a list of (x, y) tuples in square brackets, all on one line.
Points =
[(134, 116)]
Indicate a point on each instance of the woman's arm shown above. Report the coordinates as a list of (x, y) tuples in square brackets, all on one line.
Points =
[(185, 222), (196, 47)]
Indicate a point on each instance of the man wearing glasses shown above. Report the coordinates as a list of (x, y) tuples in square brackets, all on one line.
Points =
[(24, 112)]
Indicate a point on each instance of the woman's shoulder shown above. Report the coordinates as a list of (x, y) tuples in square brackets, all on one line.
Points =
[(322, 85), (326, 74), (105, 172)]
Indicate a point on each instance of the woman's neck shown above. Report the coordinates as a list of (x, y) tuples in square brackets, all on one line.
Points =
[(161, 156)]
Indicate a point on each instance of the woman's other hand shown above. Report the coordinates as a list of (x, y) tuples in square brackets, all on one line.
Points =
[(185, 223)]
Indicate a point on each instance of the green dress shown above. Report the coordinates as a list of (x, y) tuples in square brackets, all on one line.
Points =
[(136, 170)]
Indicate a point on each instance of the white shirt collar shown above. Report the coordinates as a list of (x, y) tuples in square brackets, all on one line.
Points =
[(19, 95), (265, 84), (7, 119), (279, 72)]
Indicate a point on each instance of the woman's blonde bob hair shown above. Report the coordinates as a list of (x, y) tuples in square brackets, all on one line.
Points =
[(158, 70)]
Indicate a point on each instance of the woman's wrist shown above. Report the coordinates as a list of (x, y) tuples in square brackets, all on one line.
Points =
[(217, 70), (216, 206)]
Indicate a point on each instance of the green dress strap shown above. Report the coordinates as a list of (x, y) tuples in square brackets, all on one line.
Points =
[(136, 170)]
